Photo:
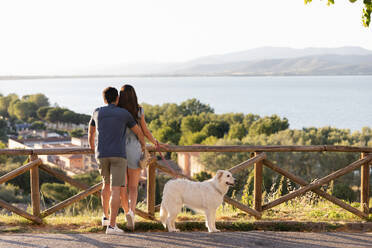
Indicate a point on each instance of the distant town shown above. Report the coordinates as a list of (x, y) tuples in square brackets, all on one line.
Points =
[(72, 164)]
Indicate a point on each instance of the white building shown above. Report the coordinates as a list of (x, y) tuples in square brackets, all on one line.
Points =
[(71, 163)]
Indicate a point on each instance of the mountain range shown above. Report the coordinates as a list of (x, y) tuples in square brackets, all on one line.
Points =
[(263, 61)]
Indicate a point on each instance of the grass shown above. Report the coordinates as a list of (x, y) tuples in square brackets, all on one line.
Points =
[(294, 215)]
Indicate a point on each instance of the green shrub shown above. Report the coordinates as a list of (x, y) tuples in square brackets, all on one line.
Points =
[(343, 191)]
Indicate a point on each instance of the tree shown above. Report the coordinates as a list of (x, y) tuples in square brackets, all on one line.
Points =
[(192, 123), (42, 112), (233, 118), (167, 135), (216, 128), (40, 100), (202, 176), (268, 125), (23, 110), (55, 115), (249, 119), (3, 130), (152, 112), (70, 117), (189, 138), (5, 103), (366, 17), (195, 107), (237, 131), (78, 133), (38, 125), (83, 118)]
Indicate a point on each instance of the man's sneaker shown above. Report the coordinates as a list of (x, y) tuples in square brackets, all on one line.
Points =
[(114, 230), (105, 221), (130, 220)]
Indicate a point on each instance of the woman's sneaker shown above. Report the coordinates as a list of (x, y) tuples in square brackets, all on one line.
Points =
[(105, 221), (130, 220), (114, 230)]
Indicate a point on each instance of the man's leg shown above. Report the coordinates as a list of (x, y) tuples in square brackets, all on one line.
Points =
[(118, 167), (114, 204), (105, 198), (104, 169)]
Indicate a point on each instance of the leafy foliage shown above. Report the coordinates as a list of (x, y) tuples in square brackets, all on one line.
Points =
[(11, 193), (366, 17), (36, 107), (202, 176), (77, 133), (57, 192), (38, 125), (3, 130), (169, 124), (195, 107)]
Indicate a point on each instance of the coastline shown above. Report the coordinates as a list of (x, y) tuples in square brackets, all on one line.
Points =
[(29, 77)]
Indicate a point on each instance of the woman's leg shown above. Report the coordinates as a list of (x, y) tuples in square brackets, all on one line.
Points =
[(124, 195), (133, 179)]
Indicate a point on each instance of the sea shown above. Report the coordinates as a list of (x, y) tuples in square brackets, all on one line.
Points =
[(306, 101)]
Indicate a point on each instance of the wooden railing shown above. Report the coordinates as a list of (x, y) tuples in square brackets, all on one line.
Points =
[(258, 161)]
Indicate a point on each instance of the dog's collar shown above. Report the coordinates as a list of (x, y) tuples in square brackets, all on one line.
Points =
[(215, 188)]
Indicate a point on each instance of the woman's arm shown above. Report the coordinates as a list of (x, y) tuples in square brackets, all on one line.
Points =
[(146, 131), (148, 135), (137, 131)]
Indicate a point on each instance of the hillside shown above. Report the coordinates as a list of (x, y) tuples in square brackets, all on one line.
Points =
[(261, 61), (309, 65)]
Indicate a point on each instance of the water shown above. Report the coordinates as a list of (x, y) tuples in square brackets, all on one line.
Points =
[(338, 101)]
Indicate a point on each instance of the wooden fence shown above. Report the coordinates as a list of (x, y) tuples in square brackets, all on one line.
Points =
[(258, 161)]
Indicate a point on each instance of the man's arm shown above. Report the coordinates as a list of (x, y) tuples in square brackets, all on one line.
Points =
[(137, 131), (91, 136)]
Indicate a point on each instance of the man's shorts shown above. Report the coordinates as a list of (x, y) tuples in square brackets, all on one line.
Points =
[(113, 170)]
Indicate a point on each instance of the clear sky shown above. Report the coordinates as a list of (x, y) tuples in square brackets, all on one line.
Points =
[(49, 36)]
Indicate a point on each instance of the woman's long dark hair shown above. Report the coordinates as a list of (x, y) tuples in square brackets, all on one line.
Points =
[(128, 100)]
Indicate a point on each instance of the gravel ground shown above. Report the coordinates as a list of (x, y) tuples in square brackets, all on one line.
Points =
[(191, 239)]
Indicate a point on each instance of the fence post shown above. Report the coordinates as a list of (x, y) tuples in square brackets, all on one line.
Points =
[(258, 184), (35, 189), (364, 186), (151, 176)]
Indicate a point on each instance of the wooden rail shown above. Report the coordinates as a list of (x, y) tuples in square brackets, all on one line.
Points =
[(259, 160), (199, 148)]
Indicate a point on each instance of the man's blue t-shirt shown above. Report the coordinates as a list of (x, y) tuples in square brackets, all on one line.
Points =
[(111, 123)]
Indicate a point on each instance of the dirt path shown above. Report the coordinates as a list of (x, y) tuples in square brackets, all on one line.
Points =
[(191, 239)]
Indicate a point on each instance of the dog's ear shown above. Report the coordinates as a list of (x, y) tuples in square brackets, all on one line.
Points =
[(219, 174)]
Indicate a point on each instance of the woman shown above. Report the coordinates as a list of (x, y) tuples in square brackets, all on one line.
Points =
[(128, 100)]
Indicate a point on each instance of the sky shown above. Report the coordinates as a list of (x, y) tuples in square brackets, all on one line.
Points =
[(46, 37)]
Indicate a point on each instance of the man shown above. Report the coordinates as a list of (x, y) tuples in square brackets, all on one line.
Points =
[(109, 124)]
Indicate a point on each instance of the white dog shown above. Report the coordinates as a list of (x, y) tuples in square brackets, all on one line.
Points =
[(204, 196)]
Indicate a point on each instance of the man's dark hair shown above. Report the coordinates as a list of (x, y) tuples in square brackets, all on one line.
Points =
[(110, 94)]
